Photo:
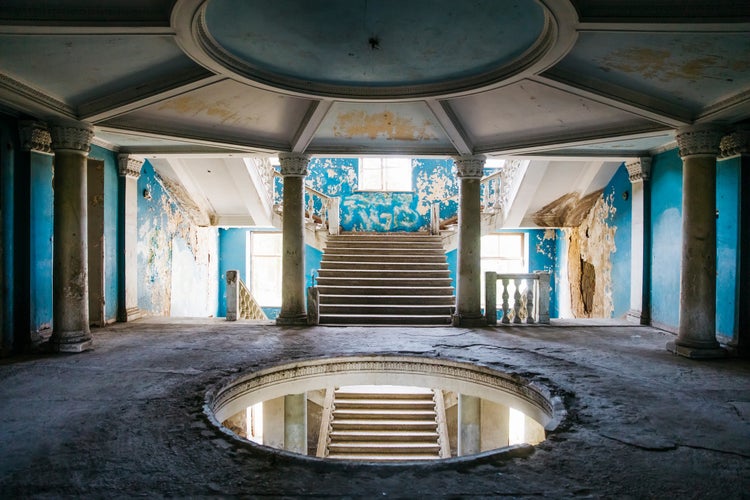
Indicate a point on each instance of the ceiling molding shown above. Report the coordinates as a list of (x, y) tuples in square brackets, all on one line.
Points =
[(451, 125), (738, 104), (617, 97), (18, 95), (84, 29), (314, 116), (662, 27), (380, 149), (139, 96), (97, 141)]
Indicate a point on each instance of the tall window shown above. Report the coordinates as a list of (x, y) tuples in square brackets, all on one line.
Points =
[(265, 274), (385, 174), (503, 253)]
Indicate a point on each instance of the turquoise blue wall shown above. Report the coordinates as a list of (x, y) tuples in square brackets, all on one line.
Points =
[(561, 249), (666, 238), (620, 258), (8, 184), (41, 231), (434, 180), (727, 243), (232, 255), (111, 234)]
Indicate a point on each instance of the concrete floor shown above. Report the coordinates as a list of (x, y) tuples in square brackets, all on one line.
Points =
[(126, 419)]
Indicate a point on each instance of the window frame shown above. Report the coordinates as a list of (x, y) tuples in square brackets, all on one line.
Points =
[(387, 165)]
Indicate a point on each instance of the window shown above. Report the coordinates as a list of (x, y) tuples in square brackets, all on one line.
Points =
[(503, 253), (385, 174), (266, 268)]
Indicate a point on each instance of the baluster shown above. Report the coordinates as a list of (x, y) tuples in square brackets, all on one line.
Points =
[(310, 207), (490, 297), (517, 301), (506, 306), (326, 203), (530, 301), (497, 205)]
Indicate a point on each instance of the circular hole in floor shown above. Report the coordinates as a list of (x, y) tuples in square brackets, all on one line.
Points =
[(384, 409)]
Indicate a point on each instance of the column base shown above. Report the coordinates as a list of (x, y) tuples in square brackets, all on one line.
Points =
[(69, 342), (693, 352), (469, 321), (637, 317), (132, 314), (296, 320)]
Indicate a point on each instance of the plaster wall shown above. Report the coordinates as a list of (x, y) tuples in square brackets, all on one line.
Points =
[(40, 250), (727, 247)]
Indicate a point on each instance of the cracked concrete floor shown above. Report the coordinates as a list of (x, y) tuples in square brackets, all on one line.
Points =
[(126, 419)]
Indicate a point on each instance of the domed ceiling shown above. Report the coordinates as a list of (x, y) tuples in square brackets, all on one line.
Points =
[(580, 78)]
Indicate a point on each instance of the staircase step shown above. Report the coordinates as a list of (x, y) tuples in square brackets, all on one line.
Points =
[(383, 250), (367, 425), (441, 300), (343, 403), (382, 282), (370, 265), (382, 413), (380, 257), (384, 237), (382, 435), (378, 307), (384, 447), (385, 273), (382, 458), (385, 290), (367, 319)]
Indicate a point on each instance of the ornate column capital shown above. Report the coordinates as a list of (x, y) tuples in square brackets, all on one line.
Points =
[(293, 164), (735, 143), (699, 141), (35, 136), (129, 166), (470, 166), (639, 169), (71, 137)]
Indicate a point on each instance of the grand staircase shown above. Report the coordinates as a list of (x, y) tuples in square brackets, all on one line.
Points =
[(385, 424), (385, 279)]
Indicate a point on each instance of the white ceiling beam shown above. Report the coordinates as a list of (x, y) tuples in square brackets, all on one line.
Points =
[(730, 110), (624, 25), (451, 126), (620, 98), (314, 116), (138, 96)]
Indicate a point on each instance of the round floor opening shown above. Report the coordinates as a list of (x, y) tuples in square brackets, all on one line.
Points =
[(384, 409)]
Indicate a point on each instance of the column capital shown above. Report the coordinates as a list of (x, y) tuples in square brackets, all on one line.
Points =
[(735, 143), (293, 164), (470, 166), (699, 140), (639, 169), (71, 136), (129, 166), (35, 136)]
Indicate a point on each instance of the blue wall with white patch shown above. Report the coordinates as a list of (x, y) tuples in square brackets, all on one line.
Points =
[(620, 218)]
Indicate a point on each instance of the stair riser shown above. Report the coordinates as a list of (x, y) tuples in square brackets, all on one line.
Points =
[(386, 320), (385, 282), (432, 300), (380, 308), (379, 273), (383, 250), (382, 426), (384, 448), (395, 266), (349, 437), (371, 290), (397, 258)]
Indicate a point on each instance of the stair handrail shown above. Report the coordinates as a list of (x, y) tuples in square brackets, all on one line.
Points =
[(442, 424), (324, 436), (329, 214), (240, 301), (531, 306)]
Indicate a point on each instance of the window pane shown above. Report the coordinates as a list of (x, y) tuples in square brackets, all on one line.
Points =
[(397, 174), (370, 174), (266, 243), (511, 246), (266, 268)]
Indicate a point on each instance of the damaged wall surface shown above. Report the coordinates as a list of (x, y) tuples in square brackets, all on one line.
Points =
[(177, 259)]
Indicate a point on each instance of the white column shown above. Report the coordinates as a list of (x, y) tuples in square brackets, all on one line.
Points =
[(468, 281), (639, 171), (696, 337), (293, 310), (295, 423), (469, 425), (129, 170), (70, 293)]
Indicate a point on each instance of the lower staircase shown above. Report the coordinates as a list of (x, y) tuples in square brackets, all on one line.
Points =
[(385, 424), (385, 279)]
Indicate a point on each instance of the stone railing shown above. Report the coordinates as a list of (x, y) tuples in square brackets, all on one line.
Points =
[(491, 188), (321, 210), (530, 304), (240, 302)]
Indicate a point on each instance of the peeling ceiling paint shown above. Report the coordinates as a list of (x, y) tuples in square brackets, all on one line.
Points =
[(386, 125)]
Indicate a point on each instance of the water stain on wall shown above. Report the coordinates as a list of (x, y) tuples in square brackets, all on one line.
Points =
[(386, 125)]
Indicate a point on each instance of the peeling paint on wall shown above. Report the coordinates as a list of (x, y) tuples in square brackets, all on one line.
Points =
[(590, 246)]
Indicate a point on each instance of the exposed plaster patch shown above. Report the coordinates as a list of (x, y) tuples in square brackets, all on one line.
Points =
[(545, 245), (438, 185), (181, 196), (385, 125), (225, 110), (567, 211), (590, 247)]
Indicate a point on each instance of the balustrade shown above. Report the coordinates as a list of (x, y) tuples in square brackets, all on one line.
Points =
[(240, 302), (321, 210), (531, 293)]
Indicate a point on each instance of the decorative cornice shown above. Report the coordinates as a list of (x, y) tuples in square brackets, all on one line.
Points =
[(35, 137), (735, 144), (639, 170), (129, 166), (470, 166), (694, 141), (293, 164), (36, 97), (71, 137)]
